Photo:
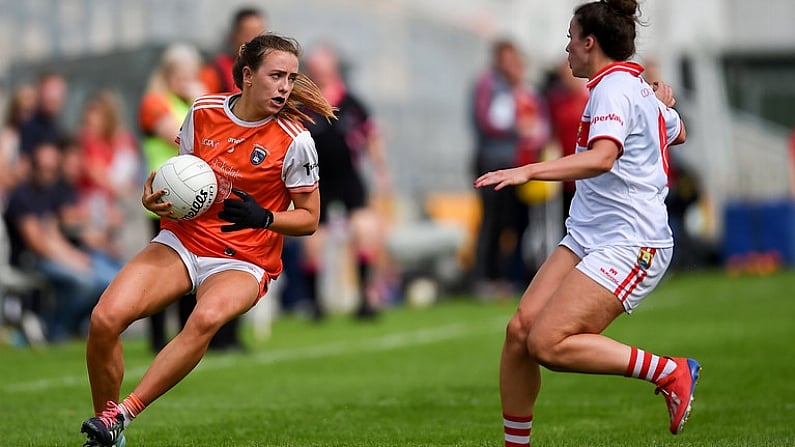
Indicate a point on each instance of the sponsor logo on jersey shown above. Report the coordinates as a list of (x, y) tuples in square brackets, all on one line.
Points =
[(259, 154), (645, 257), (608, 117), (209, 142), (234, 140), (309, 167)]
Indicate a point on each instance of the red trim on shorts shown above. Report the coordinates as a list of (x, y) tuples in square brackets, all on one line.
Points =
[(638, 274), (621, 287), (639, 279)]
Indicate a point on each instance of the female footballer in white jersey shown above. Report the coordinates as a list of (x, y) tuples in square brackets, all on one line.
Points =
[(618, 243)]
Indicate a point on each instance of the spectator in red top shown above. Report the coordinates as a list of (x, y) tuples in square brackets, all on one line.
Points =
[(109, 177), (247, 23), (566, 98)]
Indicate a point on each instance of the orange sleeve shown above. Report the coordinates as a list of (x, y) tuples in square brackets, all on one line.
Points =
[(153, 108)]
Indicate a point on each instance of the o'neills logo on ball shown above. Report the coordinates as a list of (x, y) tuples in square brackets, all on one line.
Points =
[(198, 203)]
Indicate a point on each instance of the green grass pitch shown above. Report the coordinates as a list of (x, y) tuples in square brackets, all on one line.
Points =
[(429, 378)]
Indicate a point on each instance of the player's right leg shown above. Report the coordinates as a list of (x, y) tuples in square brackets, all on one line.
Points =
[(311, 263), (221, 297), (367, 232), (520, 376), (147, 283)]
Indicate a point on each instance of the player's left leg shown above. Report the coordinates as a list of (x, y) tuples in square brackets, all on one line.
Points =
[(221, 297), (520, 374), (566, 334), (567, 337)]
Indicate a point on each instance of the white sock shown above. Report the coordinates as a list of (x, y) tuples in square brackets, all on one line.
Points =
[(126, 413)]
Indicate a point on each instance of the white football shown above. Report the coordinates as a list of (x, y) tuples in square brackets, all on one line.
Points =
[(190, 185)]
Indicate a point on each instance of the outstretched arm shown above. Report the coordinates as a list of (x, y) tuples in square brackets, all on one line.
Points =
[(597, 160)]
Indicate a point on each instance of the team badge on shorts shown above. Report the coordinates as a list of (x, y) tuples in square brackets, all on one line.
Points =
[(645, 257), (258, 155)]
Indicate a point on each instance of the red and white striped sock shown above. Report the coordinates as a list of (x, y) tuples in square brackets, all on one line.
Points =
[(517, 430), (647, 366)]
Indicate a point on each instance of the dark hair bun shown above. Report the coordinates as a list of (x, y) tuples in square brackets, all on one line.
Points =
[(623, 7)]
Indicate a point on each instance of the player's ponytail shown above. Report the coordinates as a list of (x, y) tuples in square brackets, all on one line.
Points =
[(307, 94), (626, 8)]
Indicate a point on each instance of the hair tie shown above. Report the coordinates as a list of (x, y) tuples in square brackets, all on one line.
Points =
[(242, 50)]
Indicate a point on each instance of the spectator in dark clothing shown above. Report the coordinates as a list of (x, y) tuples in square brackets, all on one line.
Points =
[(342, 145), (44, 126), (33, 218)]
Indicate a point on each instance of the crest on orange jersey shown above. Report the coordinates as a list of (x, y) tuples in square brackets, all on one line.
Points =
[(258, 155)]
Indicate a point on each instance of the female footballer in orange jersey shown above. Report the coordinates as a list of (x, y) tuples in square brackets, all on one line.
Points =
[(264, 160)]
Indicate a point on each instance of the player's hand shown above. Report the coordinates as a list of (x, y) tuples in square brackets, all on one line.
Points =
[(244, 213), (664, 93), (503, 178), (151, 199)]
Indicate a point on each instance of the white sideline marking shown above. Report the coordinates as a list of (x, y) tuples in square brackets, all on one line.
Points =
[(386, 342)]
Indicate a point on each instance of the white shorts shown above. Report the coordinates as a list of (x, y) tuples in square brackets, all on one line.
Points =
[(630, 273), (201, 267)]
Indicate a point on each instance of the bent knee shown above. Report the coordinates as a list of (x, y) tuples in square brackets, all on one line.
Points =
[(206, 321), (517, 330), (545, 348), (106, 321)]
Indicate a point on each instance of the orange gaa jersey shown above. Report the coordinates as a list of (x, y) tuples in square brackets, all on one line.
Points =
[(268, 159)]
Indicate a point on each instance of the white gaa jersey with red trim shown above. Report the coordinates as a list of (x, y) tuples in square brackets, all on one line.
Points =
[(269, 159), (626, 205)]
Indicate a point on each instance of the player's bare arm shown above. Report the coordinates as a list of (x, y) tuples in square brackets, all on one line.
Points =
[(303, 219), (665, 94), (599, 159), (682, 137)]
